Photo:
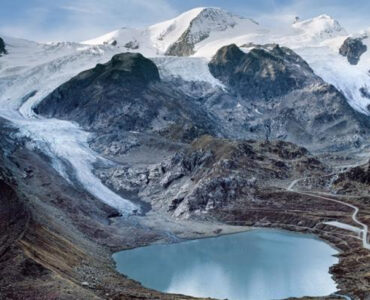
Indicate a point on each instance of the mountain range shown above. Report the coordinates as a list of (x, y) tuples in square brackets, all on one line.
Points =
[(180, 129)]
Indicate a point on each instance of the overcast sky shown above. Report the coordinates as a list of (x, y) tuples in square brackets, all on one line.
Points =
[(76, 20)]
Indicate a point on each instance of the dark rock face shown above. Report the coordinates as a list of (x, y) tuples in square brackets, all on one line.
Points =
[(208, 19), (182, 47), (133, 45), (2, 47), (213, 174), (274, 94), (260, 73), (359, 174), (126, 94), (124, 68), (365, 92), (353, 48)]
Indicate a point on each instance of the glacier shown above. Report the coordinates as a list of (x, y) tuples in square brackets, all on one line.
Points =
[(31, 70)]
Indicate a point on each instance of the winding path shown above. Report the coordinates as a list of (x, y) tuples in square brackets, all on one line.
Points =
[(364, 230)]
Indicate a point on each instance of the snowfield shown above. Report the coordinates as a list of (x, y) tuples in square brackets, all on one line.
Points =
[(28, 74), (32, 70), (317, 40)]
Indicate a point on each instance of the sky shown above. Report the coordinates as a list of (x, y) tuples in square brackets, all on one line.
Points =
[(78, 20)]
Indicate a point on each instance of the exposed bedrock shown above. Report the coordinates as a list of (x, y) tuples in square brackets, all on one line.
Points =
[(2, 47), (260, 73), (279, 96), (212, 174), (209, 20), (126, 94), (353, 48), (271, 94)]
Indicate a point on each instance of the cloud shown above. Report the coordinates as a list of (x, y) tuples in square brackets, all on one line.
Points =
[(78, 9), (77, 20)]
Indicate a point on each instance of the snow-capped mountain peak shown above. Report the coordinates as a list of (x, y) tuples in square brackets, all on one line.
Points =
[(166, 33), (206, 22), (321, 27), (177, 36), (201, 32)]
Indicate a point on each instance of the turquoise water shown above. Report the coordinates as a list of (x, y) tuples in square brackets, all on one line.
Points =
[(259, 264)]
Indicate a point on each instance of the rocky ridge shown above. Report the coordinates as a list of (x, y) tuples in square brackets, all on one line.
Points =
[(152, 130), (353, 48), (2, 47), (211, 174), (271, 94), (126, 94), (207, 21), (280, 97)]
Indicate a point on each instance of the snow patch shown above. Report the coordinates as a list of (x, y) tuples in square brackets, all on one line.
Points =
[(186, 68)]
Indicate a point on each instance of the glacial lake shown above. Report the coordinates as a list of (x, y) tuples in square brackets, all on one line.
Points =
[(258, 264)]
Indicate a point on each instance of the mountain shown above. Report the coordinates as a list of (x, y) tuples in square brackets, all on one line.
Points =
[(200, 125), (261, 73), (180, 35), (284, 99), (270, 92), (126, 94), (320, 28), (202, 32)]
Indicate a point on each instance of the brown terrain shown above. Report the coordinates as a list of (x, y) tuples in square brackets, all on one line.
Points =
[(56, 241)]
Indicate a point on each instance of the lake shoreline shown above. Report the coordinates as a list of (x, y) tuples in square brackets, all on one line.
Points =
[(275, 238), (287, 228)]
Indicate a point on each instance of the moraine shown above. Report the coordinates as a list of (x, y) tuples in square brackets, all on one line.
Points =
[(258, 264)]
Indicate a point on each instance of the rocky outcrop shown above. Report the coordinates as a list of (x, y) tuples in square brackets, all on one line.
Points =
[(355, 180), (274, 94), (183, 47), (2, 47), (126, 94), (213, 174), (132, 45), (353, 48), (207, 21), (260, 74), (365, 92)]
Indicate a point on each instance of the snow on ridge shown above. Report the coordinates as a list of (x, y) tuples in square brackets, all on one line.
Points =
[(187, 68), (317, 40), (211, 20), (32, 66), (28, 73), (159, 35), (199, 23), (168, 32), (321, 27)]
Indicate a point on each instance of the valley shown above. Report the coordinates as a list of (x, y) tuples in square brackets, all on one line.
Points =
[(200, 126)]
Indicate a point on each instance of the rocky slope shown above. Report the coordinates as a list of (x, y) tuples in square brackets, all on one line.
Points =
[(211, 174), (272, 94), (356, 181), (126, 94), (353, 48), (209, 20), (199, 146), (286, 100), (201, 32), (2, 47), (55, 239), (262, 73)]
